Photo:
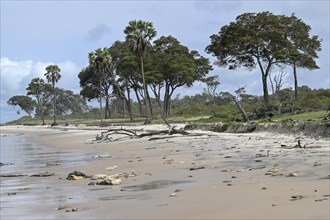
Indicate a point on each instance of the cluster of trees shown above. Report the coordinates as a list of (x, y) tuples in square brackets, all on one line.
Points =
[(149, 71), (49, 100), (136, 67)]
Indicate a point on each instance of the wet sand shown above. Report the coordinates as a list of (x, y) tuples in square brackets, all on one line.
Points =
[(211, 176)]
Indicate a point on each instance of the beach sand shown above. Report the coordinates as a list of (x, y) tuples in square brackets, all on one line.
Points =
[(207, 176)]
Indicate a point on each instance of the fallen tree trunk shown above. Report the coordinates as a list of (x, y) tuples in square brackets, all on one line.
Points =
[(108, 135)]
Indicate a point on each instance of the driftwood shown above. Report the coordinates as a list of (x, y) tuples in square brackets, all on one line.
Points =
[(107, 135)]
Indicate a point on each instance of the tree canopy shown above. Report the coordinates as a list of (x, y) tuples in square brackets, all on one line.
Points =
[(264, 40), (26, 103)]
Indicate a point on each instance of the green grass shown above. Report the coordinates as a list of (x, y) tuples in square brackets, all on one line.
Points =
[(304, 117), (317, 117)]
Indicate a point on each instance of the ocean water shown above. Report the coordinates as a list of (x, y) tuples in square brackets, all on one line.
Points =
[(27, 197)]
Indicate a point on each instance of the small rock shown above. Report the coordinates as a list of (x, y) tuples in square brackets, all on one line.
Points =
[(178, 190), (292, 174), (226, 170), (112, 168), (263, 188), (74, 177), (234, 177), (92, 183), (102, 156), (273, 205), (74, 209), (64, 206), (53, 164), (173, 195), (98, 176), (109, 181)]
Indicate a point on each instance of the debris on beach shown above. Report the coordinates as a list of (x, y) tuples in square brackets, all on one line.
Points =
[(53, 164), (12, 175), (197, 168), (102, 156), (76, 175), (42, 174), (274, 171), (226, 170), (293, 174), (98, 176), (297, 197), (115, 179), (109, 181), (67, 208), (112, 168)]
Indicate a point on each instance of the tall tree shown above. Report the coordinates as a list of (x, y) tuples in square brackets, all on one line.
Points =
[(172, 65), (24, 102), (53, 75), (128, 74), (100, 72), (37, 88), (305, 47), (138, 35), (257, 39)]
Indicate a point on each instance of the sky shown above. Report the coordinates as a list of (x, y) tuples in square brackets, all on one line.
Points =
[(35, 34)]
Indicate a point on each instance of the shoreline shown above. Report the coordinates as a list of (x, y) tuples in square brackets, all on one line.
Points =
[(215, 176)]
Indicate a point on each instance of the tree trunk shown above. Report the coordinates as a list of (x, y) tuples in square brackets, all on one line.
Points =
[(54, 123), (166, 100), (107, 108), (139, 100), (144, 92), (149, 103), (265, 90), (101, 105), (238, 104), (295, 81), (129, 106), (41, 111)]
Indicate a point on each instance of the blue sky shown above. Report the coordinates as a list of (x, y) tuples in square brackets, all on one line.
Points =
[(35, 34)]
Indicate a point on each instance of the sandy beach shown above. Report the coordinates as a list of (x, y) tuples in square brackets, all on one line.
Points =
[(207, 176)]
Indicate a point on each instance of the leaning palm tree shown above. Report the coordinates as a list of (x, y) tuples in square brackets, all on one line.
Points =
[(53, 75), (138, 35), (101, 63)]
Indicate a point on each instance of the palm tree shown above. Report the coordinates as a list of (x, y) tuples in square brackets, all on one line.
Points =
[(53, 75), (138, 35), (36, 88), (101, 63)]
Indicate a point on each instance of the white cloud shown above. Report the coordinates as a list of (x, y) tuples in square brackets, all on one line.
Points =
[(12, 74), (16, 75)]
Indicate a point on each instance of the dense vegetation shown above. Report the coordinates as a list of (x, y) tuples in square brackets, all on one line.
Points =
[(137, 78)]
